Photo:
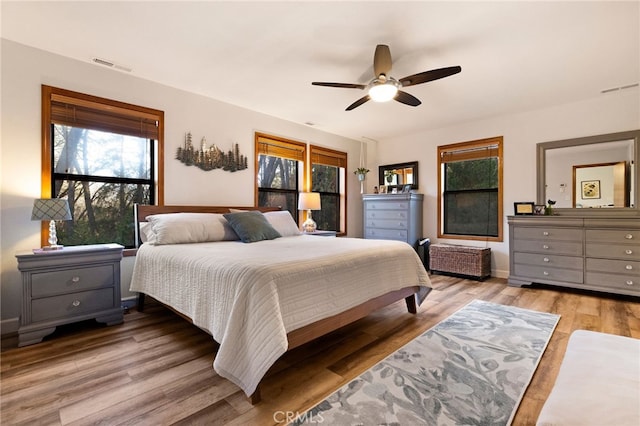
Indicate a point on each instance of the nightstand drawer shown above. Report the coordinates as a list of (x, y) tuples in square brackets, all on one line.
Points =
[(73, 304), (386, 234), (551, 247), (387, 214), (388, 205), (555, 274), (66, 280), (387, 224)]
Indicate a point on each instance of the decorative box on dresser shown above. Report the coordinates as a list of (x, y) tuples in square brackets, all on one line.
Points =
[(64, 286), (393, 217), (592, 253)]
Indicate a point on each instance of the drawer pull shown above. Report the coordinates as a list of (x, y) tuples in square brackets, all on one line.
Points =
[(628, 267), (546, 259), (629, 282), (629, 237), (545, 247), (545, 273), (628, 251), (76, 303), (545, 233), (75, 280)]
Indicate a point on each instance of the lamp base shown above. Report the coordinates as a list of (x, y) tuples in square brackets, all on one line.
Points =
[(309, 226)]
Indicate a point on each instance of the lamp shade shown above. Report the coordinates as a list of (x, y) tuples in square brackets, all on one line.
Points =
[(50, 209), (309, 201)]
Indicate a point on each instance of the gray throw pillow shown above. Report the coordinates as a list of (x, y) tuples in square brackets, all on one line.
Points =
[(251, 226)]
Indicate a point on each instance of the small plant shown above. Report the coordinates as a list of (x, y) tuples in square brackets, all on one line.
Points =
[(548, 210), (361, 171)]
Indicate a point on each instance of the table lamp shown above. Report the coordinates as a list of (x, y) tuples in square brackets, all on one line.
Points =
[(309, 201), (51, 209)]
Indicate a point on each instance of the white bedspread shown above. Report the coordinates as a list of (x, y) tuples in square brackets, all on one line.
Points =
[(598, 383), (249, 296)]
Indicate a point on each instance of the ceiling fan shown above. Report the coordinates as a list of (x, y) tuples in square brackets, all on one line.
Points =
[(383, 87)]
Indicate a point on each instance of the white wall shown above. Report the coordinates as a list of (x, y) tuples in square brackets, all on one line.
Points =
[(613, 112), (25, 69)]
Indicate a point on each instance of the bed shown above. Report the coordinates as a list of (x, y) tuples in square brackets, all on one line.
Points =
[(248, 277)]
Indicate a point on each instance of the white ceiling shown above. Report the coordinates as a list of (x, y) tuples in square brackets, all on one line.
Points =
[(515, 56)]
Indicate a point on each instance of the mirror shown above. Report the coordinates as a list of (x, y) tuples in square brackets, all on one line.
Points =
[(398, 175), (591, 175)]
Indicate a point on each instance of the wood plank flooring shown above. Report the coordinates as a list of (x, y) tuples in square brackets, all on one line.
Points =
[(156, 368)]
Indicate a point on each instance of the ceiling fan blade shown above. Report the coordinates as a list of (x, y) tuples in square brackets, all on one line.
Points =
[(357, 103), (340, 85), (427, 76), (382, 60), (407, 99)]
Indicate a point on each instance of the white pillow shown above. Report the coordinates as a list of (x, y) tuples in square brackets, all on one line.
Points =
[(179, 228), (283, 223)]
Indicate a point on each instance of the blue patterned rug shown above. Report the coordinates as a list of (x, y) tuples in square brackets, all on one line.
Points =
[(470, 369)]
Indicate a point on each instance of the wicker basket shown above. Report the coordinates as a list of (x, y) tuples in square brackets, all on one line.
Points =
[(473, 262)]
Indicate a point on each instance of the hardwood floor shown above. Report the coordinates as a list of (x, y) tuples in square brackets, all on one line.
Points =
[(156, 368)]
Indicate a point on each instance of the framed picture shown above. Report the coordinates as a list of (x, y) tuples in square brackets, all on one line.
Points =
[(523, 208), (383, 189), (407, 188), (590, 189), (539, 209)]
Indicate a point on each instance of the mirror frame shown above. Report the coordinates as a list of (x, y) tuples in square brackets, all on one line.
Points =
[(542, 148), (412, 164)]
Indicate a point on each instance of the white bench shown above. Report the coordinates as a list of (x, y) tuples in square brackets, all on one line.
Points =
[(598, 383)]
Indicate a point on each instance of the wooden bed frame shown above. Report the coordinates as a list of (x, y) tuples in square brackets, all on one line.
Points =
[(304, 334)]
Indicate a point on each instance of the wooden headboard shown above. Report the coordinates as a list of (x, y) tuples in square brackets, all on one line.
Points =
[(141, 211)]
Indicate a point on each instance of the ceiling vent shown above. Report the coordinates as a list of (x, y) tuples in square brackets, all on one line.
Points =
[(111, 64)]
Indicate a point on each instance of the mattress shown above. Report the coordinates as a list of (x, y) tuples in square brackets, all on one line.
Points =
[(249, 296)]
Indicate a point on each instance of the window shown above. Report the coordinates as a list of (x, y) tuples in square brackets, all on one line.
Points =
[(327, 177), (470, 182), (279, 172), (101, 155)]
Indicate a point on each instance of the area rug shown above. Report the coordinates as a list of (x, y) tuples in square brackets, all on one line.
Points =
[(470, 369)]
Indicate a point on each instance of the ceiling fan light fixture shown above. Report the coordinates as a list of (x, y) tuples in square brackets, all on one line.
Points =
[(383, 92)]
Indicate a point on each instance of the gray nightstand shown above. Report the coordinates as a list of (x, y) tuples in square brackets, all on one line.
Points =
[(63, 286)]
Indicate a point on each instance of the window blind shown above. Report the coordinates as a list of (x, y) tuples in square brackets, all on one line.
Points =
[(78, 110), (277, 147), (328, 157)]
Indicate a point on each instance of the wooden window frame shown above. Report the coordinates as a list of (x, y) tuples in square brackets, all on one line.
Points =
[(331, 157), (276, 146), (467, 151), (61, 106)]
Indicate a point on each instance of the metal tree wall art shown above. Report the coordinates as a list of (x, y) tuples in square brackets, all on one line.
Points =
[(210, 158)]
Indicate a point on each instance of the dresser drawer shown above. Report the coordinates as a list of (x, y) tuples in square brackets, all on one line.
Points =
[(388, 205), (613, 251), (547, 233), (613, 236), (387, 214), (77, 279), (385, 234), (386, 223), (550, 247), (69, 305), (625, 267), (542, 273), (548, 260), (614, 281)]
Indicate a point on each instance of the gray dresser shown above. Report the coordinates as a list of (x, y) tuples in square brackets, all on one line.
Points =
[(600, 253), (393, 217), (63, 286)]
